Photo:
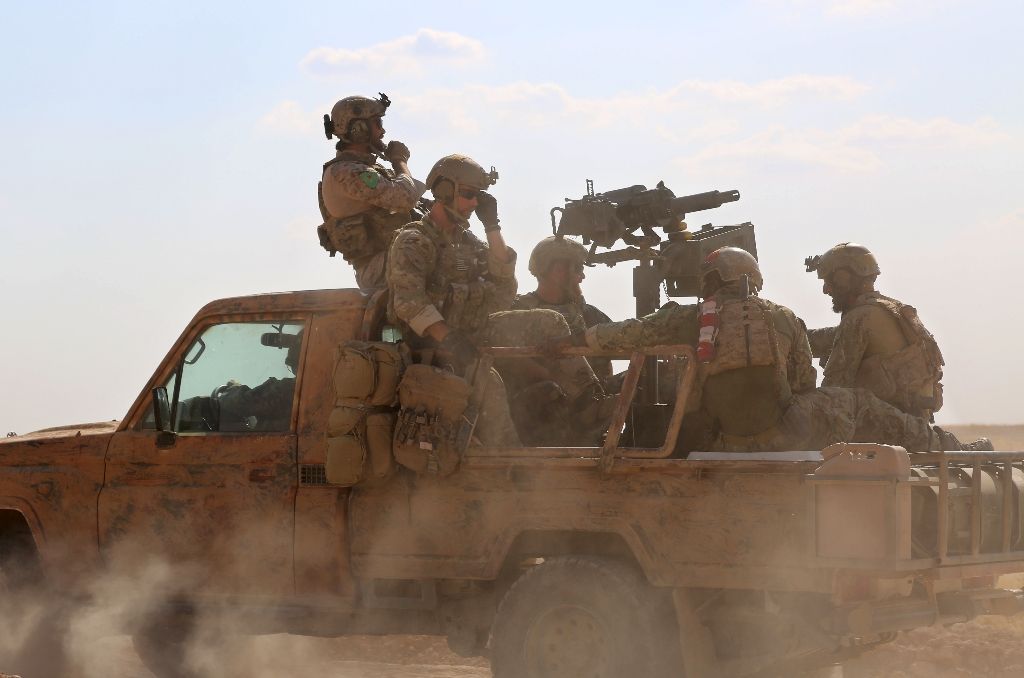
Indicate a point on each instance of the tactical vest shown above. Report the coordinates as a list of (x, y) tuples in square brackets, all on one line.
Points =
[(356, 228), (744, 387), (909, 378), (458, 285)]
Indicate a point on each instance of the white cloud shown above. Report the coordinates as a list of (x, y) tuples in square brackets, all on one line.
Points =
[(862, 9), (858, 147), (778, 91), (545, 104), (406, 55), (856, 8), (289, 117), (934, 131)]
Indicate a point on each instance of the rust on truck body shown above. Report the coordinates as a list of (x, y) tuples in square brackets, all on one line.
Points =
[(871, 539)]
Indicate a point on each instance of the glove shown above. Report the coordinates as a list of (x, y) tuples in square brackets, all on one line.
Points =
[(458, 351), (396, 151), (553, 347), (487, 211)]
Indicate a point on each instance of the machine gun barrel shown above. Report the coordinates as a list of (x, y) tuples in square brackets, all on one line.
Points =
[(702, 201)]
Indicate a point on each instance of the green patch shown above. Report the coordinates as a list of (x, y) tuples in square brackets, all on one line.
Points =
[(370, 178)]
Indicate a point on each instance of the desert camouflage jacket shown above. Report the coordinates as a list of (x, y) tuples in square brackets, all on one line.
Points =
[(434, 276), (675, 324), (353, 184)]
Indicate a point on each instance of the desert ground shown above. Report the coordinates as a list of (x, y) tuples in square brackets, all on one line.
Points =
[(988, 646)]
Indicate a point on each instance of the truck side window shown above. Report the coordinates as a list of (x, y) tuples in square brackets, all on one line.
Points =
[(237, 377)]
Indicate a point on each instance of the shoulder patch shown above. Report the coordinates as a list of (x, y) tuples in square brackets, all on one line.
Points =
[(370, 178)]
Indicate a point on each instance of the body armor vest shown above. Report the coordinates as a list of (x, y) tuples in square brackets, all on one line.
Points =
[(744, 386), (909, 378), (458, 285), (354, 227)]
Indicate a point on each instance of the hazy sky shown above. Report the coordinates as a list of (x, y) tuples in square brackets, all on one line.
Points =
[(157, 156)]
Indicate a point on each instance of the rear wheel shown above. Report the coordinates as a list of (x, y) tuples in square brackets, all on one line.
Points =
[(36, 618), (162, 641), (585, 617)]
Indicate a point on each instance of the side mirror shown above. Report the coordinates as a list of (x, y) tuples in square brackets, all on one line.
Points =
[(162, 417)]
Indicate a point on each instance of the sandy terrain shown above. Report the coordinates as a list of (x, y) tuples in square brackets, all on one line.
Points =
[(992, 647)]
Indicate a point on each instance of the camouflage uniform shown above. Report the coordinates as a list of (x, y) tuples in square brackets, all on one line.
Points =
[(579, 315), (882, 346), (763, 398), (434, 277), (362, 204)]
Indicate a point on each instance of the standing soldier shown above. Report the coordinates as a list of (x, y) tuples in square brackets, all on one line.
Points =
[(880, 343), (450, 290), (362, 202), (558, 263)]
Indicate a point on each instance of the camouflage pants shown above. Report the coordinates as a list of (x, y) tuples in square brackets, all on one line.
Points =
[(816, 419), (370, 271), (495, 427), (533, 328)]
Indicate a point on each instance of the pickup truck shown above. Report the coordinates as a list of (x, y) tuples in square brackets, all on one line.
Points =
[(624, 558)]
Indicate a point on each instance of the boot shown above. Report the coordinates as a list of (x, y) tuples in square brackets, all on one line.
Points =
[(979, 445), (946, 441)]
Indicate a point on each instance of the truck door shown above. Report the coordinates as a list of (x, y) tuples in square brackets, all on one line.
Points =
[(216, 498)]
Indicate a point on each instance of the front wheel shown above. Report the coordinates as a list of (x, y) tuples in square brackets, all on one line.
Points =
[(578, 616)]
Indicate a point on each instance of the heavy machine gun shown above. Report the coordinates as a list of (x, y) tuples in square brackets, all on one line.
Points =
[(632, 215)]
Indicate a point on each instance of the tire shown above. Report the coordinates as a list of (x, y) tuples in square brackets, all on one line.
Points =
[(580, 617), (34, 646), (162, 645)]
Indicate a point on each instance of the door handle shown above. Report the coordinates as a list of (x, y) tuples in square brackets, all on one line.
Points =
[(261, 475)]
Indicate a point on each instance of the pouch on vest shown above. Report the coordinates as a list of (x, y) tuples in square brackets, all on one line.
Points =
[(369, 372), (465, 306), (432, 433), (380, 428), (352, 236), (346, 458)]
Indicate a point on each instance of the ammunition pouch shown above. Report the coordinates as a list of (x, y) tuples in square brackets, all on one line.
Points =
[(466, 305), (359, 428), (435, 421), (360, 235)]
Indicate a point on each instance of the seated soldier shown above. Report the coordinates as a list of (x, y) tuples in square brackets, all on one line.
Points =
[(266, 407), (754, 389), (880, 343), (451, 291), (557, 263)]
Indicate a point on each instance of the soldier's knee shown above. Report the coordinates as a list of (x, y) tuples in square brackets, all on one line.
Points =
[(548, 323)]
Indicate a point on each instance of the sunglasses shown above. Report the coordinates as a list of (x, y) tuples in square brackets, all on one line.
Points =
[(469, 193)]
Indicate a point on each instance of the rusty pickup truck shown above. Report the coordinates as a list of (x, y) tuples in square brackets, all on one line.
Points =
[(625, 558)]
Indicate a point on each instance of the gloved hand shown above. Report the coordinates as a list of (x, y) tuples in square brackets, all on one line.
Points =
[(458, 351), (396, 151), (553, 347), (487, 211)]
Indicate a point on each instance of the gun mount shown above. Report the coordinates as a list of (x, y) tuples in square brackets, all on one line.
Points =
[(632, 215)]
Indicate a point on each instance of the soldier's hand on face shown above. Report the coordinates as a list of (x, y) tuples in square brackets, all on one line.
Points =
[(396, 151), (487, 210)]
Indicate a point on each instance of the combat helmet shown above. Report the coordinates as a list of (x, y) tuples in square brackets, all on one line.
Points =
[(732, 263), (350, 110), (453, 171), (857, 258), (551, 249)]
